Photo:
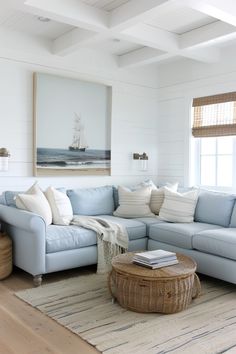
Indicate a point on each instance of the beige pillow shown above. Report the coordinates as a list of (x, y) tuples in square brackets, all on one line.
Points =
[(133, 204), (35, 201), (157, 197), (178, 207), (60, 204)]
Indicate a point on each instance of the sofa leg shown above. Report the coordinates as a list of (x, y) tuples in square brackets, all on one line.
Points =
[(37, 280)]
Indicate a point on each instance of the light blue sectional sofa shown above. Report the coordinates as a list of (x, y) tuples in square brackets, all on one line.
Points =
[(210, 239)]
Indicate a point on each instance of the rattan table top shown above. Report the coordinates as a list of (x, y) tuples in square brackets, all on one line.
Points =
[(123, 263)]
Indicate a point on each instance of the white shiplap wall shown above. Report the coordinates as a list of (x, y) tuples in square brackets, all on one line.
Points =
[(134, 118), (180, 82), (171, 140)]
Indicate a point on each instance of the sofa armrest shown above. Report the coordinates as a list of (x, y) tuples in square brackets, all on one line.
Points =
[(21, 218), (28, 233)]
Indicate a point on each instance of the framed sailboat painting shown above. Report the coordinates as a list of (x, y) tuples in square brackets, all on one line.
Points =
[(72, 126)]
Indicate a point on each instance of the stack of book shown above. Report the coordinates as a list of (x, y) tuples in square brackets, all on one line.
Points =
[(155, 259)]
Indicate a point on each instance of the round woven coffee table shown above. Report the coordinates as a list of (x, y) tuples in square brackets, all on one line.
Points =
[(166, 290)]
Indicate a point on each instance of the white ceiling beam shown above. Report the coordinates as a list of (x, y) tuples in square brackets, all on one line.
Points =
[(71, 41), (94, 23), (134, 12), (124, 16), (149, 36), (224, 10), (205, 55), (141, 56), (207, 34), (149, 55), (72, 12), (152, 37)]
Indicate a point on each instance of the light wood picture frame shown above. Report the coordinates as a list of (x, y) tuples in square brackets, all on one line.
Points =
[(72, 126)]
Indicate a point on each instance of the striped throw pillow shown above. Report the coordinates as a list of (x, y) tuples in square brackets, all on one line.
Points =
[(178, 207), (133, 204), (157, 197)]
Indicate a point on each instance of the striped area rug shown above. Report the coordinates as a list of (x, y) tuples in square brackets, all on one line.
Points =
[(84, 306)]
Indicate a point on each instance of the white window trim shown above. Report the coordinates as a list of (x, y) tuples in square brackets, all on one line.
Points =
[(196, 166)]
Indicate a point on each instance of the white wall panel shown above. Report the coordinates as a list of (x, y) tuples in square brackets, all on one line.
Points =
[(179, 83), (134, 126)]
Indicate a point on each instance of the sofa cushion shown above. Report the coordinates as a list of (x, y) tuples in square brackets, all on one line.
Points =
[(9, 198), (214, 208), (233, 217), (2, 199), (148, 221), (220, 242), (92, 201), (62, 238), (177, 234), (115, 197), (135, 228)]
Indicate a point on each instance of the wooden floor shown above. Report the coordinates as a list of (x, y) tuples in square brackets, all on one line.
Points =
[(25, 330)]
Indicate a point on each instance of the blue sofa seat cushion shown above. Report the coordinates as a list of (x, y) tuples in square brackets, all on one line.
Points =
[(136, 229), (178, 234), (149, 220), (92, 201), (221, 242), (214, 208), (62, 238)]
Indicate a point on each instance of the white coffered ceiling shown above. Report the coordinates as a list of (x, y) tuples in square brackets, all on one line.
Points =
[(138, 32)]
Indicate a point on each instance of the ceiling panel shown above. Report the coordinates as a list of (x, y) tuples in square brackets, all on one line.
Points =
[(19, 21), (115, 46), (107, 5), (180, 20)]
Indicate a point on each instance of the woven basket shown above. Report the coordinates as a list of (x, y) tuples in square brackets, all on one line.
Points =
[(144, 293), (5, 256)]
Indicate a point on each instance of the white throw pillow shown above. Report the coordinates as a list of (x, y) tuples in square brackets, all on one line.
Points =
[(62, 212), (133, 204), (35, 201), (157, 197), (178, 207)]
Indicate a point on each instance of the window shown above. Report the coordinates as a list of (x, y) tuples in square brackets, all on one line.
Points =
[(214, 130)]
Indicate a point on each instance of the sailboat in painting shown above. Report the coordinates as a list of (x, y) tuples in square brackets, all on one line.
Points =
[(78, 143)]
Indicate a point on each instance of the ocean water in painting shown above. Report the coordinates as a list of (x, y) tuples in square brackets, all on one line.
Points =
[(62, 158)]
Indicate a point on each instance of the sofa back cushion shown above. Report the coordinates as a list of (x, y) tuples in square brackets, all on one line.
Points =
[(92, 201), (233, 217), (9, 198), (214, 208), (115, 197), (2, 199)]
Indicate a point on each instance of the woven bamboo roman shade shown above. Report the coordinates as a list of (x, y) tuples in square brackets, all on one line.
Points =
[(214, 115)]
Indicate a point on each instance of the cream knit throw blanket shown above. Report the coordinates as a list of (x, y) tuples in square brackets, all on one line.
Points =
[(112, 239)]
